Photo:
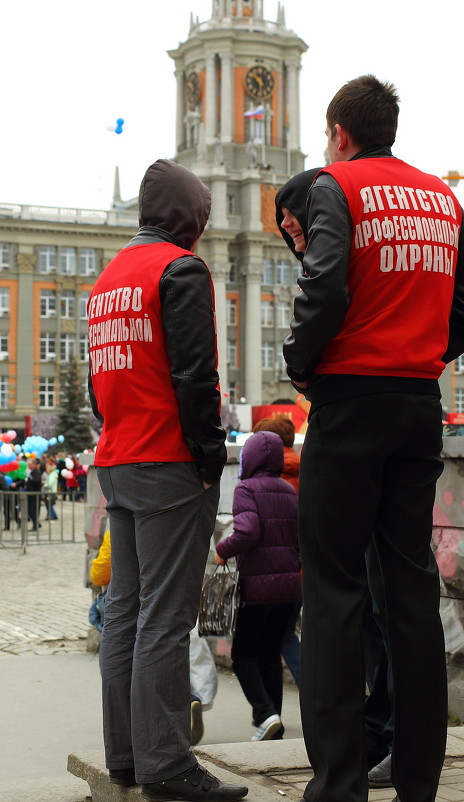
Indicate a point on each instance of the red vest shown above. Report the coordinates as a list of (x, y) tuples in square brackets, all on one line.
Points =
[(128, 361), (401, 269)]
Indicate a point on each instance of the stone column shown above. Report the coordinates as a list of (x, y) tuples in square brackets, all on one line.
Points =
[(251, 336), (24, 327), (226, 98), (219, 278), (211, 98), (180, 127), (292, 105)]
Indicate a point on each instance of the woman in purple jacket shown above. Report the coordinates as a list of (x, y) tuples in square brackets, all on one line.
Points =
[(265, 543)]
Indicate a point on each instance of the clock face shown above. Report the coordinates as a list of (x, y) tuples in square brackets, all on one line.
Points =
[(259, 82), (192, 87)]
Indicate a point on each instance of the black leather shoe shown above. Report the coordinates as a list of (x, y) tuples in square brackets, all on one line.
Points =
[(381, 776), (123, 777), (195, 784)]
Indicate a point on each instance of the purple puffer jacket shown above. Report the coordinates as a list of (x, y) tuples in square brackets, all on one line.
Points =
[(264, 539)]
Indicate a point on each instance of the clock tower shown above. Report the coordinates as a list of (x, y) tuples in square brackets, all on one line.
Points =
[(238, 128)]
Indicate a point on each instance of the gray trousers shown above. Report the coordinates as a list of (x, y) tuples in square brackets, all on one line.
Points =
[(161, 521)]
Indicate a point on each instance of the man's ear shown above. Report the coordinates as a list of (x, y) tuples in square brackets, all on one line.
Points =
[(345, 145), (342, 137)]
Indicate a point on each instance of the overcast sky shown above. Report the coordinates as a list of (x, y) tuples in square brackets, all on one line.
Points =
[(70, 69)]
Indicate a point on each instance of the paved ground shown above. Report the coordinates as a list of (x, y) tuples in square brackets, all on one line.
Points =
[(50, 695), (44, 603)]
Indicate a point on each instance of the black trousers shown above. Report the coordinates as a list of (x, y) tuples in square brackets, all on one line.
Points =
[(378, 711), (370, 465), (256, 656)]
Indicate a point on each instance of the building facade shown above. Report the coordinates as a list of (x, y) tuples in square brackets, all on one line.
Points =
[(238, 128), (49, 260)]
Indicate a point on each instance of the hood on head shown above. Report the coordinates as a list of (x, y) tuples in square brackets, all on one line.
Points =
[(263, 452), (174, 199), (293, 196)]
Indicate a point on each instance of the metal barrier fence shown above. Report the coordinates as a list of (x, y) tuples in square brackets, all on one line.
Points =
[(28, 518)]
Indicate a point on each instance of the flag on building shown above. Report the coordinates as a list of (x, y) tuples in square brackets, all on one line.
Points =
[(257, 112)]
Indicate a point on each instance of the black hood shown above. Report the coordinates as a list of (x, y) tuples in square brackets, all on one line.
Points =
[(174, 199), (293, 196)]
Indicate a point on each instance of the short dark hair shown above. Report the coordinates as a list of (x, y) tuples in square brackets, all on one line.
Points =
[(368, 109)]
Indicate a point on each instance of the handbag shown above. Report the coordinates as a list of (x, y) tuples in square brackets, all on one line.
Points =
[(219, 603)]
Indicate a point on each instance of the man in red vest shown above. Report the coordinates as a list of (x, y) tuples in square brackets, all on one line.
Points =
[(154, 385), (379, 314)]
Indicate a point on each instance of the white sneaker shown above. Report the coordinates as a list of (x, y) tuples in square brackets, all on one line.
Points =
[(267, 729), (196, 720)]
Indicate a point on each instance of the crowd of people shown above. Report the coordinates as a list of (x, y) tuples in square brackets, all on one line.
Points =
[(379, 314), (45, 480)]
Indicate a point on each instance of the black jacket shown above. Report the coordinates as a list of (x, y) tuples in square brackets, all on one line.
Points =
[(316, 323)]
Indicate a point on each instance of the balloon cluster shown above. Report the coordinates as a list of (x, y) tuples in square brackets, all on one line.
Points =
[(117, 128), (33, 446), (67, 472)]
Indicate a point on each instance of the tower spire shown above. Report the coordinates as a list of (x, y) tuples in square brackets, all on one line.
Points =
[(116, 188)]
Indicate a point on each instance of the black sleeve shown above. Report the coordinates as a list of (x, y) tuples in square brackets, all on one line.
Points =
[(190, 331), (456, 320), (321, 305)]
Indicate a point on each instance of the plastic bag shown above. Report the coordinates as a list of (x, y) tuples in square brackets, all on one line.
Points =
[(219, 602)]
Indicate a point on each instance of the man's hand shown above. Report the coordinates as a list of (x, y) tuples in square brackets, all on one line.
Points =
[(218, 560)]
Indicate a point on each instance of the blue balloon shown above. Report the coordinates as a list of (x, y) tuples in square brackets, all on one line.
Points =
[(119, 125), (61, 438), (17, 449), (9, 480), (52, 441)]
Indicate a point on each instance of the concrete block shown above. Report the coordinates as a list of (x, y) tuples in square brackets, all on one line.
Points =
[(90, 766), (259, 757)]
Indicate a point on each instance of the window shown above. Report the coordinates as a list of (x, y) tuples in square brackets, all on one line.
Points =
[(267, 316), (233, 272), (231, 204), (282, 273), (232, 354), (231, 312), (5, 256), (459, 399), (47, 303), (84, 348), (47, 346), (47, 259), (283, 367), (297, 270), (4, 301), (283, 316), (87, 262), (67, 347), (459, 364), (267, 356), (46, 392), (83, 298), (232, 393), (68, 261), (68, 303), (268, 273), (3, 392), (4, 346)]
